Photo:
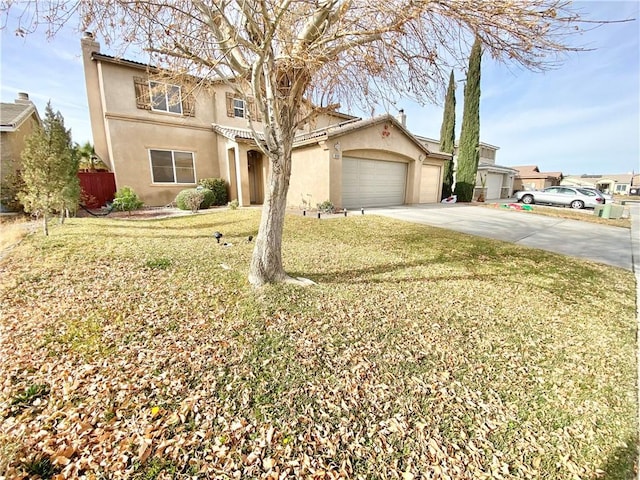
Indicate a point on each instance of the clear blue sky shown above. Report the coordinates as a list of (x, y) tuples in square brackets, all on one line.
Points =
[(583, 117)]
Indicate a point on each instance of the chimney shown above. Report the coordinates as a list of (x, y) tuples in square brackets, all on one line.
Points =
[(402, 118), (23, 98), (89, 44)]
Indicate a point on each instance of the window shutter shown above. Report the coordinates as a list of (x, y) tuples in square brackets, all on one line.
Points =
[(143, 99), (230, 104), (253, 110), (189, 105)]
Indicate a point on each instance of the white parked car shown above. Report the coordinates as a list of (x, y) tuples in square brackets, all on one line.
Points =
[(574, 197), (609, 198)]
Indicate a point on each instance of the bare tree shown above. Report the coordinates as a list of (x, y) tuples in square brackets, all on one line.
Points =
[(300, 57)]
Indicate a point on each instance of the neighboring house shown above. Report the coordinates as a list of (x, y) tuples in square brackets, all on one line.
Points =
[(17, 121), (160, 138), (618, 184), (529, 177), (634, 189), (498, 180)]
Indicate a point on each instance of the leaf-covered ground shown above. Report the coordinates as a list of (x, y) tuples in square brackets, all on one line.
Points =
[(137, 349)]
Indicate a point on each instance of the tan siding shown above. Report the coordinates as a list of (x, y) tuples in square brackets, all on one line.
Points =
[(430, 184)]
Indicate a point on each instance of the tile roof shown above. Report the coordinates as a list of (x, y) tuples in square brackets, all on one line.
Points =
[(13, 114), (532, 171), (235, 134), (339, 129)]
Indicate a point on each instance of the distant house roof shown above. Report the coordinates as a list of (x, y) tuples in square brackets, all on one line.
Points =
[(595, 179), (532, 172), (12, 115)]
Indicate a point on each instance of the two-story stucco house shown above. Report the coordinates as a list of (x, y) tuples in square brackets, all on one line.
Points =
[(160, 138)]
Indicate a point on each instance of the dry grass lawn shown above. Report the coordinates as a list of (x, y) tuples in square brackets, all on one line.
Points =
[(137, 349)]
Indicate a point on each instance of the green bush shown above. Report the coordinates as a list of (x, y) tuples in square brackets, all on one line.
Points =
[(209, 197), (193, 199), (219, 188), (233, 204), (326, 207), (126, 200)]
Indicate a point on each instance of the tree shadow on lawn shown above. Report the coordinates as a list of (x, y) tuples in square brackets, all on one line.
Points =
[(621, 465), (511, 266), (160, 224), (368, 274)]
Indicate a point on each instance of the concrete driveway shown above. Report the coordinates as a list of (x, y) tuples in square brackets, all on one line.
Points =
[(599, 243)]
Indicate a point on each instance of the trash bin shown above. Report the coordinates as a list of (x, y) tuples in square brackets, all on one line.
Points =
[(606, 210), (597, 210), (616, 211)]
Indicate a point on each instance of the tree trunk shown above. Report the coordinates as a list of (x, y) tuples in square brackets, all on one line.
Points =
[(266, 262), (45, 226)]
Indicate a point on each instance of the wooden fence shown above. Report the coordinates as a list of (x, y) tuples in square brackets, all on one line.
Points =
[(98, 188)]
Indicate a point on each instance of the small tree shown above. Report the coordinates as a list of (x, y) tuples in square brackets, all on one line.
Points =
[(469, 151), (11, 185), (448, 136), (49, 169)]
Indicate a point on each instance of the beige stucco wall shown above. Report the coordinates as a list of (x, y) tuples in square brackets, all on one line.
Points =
[(533, 183), (12, 144), (132, 166), (310, 177), (317, 169)]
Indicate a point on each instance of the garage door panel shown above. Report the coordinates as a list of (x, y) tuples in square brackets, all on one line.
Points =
[(429, 184), (494, 185), (372, 183)]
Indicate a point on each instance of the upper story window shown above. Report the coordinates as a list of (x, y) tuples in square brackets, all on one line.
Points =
[(165, 97), (171, 166), (238, 107)]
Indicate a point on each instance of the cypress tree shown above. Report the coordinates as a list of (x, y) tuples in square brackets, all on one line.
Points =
[(49, 169), (469, 148), (448, 136)]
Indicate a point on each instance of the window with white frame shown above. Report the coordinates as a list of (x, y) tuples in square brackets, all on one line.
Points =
[(238, 107), (165, 97), (170, 166)]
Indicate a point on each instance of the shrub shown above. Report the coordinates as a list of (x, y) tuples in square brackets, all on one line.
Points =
[(233, 204), (326, 207), (11, 185), (219, 188), (190, 199), (209, 197), (126, 200)]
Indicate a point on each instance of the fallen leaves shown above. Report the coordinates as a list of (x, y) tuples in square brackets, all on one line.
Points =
[(409, 360)]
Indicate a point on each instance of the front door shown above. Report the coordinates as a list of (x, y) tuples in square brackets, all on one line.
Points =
[(256, 183)]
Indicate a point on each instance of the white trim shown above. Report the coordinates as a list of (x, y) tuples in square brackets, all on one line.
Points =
[(166, 97), (243, 108)]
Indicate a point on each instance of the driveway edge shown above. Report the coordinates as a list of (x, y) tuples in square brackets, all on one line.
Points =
[(634, 211)]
